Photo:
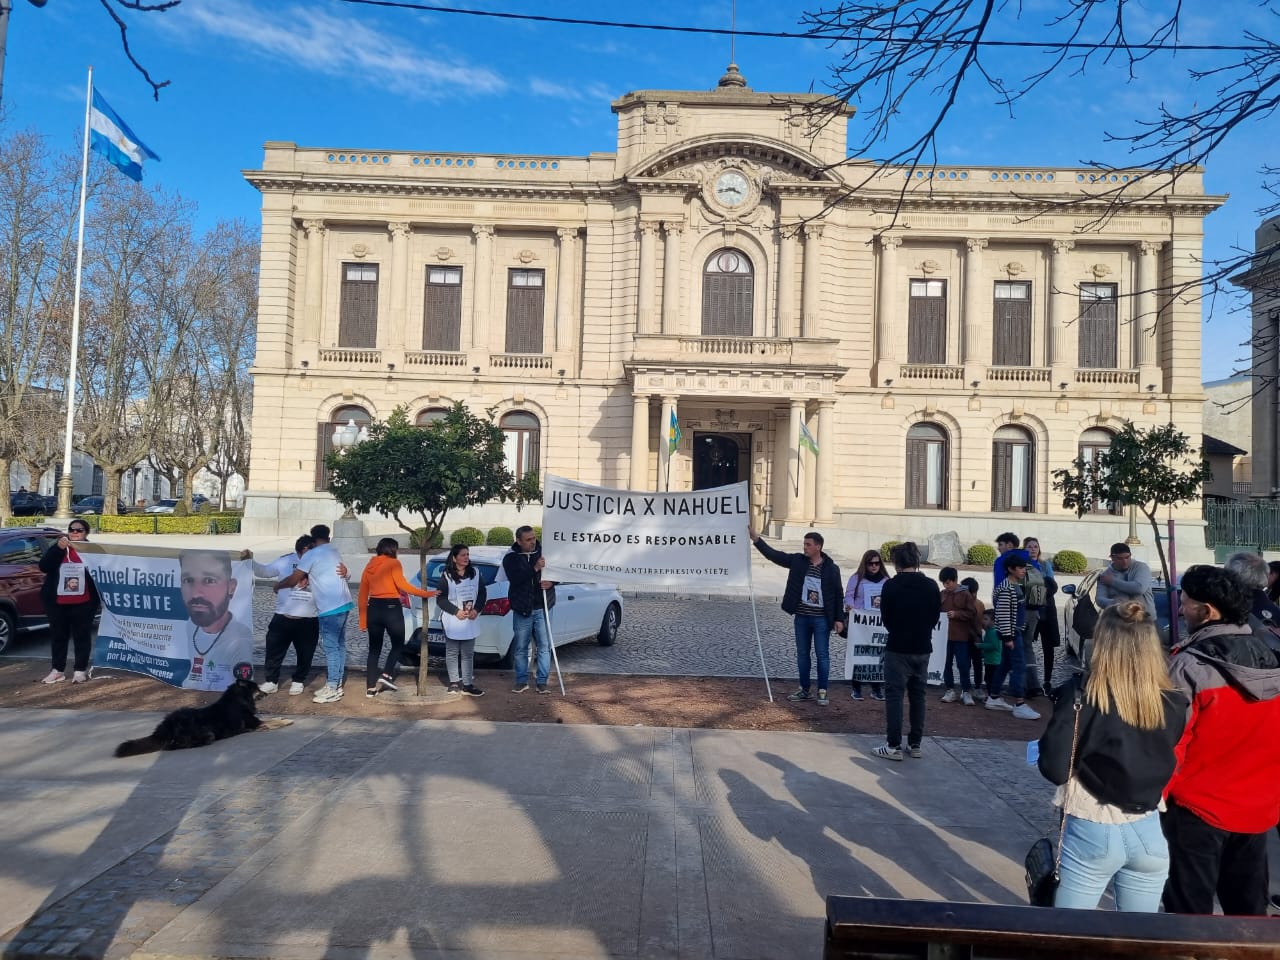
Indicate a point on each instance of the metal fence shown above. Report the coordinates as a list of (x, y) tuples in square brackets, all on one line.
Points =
[(1254, 524)]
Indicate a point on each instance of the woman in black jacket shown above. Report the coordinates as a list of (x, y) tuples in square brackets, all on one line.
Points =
[(70, 600), (1130, 719)]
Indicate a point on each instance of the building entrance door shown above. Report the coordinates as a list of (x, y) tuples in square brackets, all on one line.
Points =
[(720, 459)]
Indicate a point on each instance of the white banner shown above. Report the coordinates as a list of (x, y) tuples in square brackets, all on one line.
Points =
[(181, 616), (864, 653), (695, 539)]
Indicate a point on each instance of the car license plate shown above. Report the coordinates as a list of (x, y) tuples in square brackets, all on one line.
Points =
[(434, 635)]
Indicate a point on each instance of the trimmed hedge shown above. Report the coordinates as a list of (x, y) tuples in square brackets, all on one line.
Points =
[(981, 555), (886, 549), (500, 537), (1070, 561), (144, 523), (468, 536), (416, 538)]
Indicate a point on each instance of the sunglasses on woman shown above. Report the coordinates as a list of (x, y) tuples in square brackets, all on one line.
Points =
[(84, 530), (873, 563)]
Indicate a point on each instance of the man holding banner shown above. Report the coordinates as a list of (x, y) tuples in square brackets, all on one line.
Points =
[(814, 595), (523, 565)]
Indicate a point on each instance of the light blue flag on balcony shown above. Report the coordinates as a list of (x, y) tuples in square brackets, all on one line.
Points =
[(110, 136)]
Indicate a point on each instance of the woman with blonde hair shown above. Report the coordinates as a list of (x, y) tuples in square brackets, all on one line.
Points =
[(1110, 748)]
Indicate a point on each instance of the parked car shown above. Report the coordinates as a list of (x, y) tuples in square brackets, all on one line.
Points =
[(168, 506), (94, 504), (582, 611), (1079, 613), (20, 579), (25, 503)]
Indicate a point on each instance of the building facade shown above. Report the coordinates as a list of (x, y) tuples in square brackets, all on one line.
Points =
[(946, 337), (1262, 283)]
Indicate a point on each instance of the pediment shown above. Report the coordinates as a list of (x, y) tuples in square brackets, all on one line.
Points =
[(690, 159)]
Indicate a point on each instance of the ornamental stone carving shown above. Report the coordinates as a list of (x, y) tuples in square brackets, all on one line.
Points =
[(1099, 270), (444, 253), (1013, 268), (359, 250), (483, 229), (928, 267), (526, 256), (1063, 246), (313, 226), (398, 228), (975, 244), (890, 243)]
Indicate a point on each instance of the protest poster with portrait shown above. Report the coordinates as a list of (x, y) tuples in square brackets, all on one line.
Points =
[(864, 653), (184, 617), (693, 538)]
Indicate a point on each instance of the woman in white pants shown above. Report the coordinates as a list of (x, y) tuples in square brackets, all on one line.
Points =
[(460, 601)]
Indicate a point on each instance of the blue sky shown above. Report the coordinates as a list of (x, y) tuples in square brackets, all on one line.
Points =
[(334, 74)]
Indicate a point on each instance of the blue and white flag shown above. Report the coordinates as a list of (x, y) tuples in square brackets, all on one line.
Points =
[(111, 137)]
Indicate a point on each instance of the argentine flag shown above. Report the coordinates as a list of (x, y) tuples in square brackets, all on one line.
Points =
[(112, 138)]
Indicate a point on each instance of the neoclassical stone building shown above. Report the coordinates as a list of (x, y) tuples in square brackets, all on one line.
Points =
[(947, 337)]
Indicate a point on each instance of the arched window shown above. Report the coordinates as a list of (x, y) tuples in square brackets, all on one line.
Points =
[(928, 455), (1013, 470), (341, 417), (430, 415), (1094, 442), (521, 437), (728, 290)]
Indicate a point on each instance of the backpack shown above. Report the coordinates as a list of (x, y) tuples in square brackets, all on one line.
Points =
[(1034, 590)]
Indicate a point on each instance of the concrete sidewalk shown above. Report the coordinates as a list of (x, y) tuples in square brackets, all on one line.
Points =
[(351, 838)]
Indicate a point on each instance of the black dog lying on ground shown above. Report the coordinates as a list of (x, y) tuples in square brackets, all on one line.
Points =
[(233, 713)]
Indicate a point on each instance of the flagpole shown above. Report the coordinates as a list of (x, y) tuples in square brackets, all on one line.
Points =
[(65, 484)]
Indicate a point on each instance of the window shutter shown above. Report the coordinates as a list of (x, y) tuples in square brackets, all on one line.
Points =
[(358, 311), (917, 474), (442, 315), (727, 304), (927, 329), (524, 315), (1001, 475), (324, 445), (1098, 332), (1011, 328)]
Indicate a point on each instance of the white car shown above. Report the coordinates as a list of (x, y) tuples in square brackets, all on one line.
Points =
[(583, 611)]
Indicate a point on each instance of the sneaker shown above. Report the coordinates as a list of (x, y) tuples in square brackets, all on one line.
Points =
[(268, 687), (995, 703), (80, 677), (913, 752), (296, 689), (856, 695), (799, 695), (520, 687), (966, 698), (371, 693), (886, 752), (471, 690), (877, 695), (55, 676), (327, 694), (980, 695), (1024, 712), (822, 698), (386, 683), (454, 688), (949, 697), (542, 688)]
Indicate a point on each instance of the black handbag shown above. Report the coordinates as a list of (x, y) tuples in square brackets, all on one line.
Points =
[(1043, 861)]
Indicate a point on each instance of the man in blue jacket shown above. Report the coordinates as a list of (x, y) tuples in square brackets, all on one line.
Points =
[(814, 595)]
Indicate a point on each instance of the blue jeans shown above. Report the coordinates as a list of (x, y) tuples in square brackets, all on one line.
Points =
[(815, 630), (959, 653), (904, 673), (1013, 665), (522, 624), (333, 637), (1135, 854)]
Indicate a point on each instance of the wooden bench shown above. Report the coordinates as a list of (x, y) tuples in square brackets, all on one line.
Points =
[(872, 928)]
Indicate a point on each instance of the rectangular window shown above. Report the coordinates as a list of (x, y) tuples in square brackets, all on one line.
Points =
[(525, 303), (358, 309), (1098, 331), (442, 309), (927, 322), (324, 446), (1011, 324)]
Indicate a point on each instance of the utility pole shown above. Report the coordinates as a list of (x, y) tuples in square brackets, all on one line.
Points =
[(5, 7)]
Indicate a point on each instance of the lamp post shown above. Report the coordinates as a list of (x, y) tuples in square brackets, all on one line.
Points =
[(345, 436), (348, 530), (1132, 538)]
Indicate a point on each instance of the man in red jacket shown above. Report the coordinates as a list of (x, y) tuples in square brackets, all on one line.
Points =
[(1224, 797)]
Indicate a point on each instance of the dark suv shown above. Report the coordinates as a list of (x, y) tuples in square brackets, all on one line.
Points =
[(20, 579)]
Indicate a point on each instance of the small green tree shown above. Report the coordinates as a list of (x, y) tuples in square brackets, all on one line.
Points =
[(416, 475), (1149, 469)]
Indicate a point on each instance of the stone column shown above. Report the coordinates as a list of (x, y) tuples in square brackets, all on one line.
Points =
[(787, 327), (645, 283), (477, 335), (398, 318), (795, 507), (1146, 323), (811, 309), (809, 469), (564, 288), (823, 493), (975, 334), (313, 302), (664, 442), (1063, 315), (887, 355), (671, 278), (639, 441)]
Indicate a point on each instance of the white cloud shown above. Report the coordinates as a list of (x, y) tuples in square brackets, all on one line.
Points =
[(312, 38)]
